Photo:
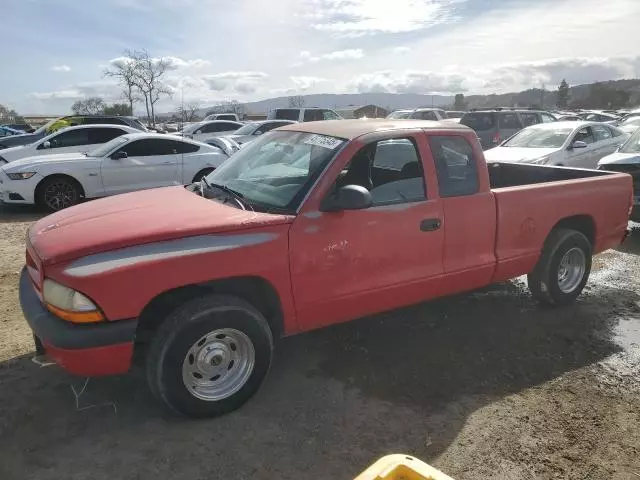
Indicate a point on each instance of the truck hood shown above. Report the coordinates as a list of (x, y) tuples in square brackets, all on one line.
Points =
[(620, 158), (137, 218), (517, 154), (39, 159)]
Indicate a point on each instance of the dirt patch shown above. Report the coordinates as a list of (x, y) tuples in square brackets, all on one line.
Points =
[(484, 385)]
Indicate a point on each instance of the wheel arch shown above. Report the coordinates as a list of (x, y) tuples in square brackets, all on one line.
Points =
[(258, 291), (77, 182), (584, 224)]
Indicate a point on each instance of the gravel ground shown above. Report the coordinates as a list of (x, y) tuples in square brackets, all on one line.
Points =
[(483, 385)]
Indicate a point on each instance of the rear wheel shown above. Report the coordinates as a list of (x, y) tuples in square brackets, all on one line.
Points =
[(57, 193), (563, 269), (209, 356), (202, 173)]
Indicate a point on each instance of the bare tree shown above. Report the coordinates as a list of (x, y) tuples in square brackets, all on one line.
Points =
[(125, 72), (189, 112), (232, 106), (296, 101), (148, 76), (89, 106)]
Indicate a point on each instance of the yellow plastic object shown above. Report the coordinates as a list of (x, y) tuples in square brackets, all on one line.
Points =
[(401, 467)]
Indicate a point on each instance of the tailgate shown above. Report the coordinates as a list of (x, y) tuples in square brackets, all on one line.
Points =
[(526, 214)]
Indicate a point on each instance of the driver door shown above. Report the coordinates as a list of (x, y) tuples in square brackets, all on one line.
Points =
[(346, 264), (149, 163)]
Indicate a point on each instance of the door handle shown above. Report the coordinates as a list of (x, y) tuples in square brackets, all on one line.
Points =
[(430, 224)]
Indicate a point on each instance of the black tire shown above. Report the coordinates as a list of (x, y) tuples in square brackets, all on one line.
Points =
[(202, 173), (57, 193), (177, 336), (544, 282)]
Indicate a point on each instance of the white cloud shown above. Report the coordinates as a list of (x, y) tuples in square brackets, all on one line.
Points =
[(498, 78), (61, 68), (401, 50), (338, 55), (305, 83), (408, 82), (242, 82), (353, 18), (173, 63)]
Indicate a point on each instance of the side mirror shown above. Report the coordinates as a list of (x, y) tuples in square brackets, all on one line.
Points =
[(258, 132), (46, 144), (349, 197), (578, 144), (120, 154)]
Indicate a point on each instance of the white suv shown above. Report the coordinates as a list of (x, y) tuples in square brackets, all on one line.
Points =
[(303, 114)]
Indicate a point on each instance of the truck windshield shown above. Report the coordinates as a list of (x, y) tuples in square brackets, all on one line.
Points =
[(633, 144), (539, 138), (277, 169)]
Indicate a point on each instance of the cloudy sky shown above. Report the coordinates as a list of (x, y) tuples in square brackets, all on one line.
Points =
[(254, 49)]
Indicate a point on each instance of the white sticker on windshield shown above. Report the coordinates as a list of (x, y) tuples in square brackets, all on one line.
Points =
[(323, 141)]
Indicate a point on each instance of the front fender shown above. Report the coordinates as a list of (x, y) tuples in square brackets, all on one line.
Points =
[(123, 281)]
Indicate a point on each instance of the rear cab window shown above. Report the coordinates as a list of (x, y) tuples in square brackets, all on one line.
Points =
[(479, 121), (455, 164), (287, 114)]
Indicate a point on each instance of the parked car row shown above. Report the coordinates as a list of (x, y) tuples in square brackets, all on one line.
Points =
[(131, 161)]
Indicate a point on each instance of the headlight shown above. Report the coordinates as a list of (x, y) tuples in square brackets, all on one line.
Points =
[(66, 303), (21, 175), (542, 160)]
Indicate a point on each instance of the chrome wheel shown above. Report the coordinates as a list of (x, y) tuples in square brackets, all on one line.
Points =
[(571, 270), (60, 194), (218, 364)]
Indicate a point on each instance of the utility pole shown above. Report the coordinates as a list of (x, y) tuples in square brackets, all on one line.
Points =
[(542, 96)]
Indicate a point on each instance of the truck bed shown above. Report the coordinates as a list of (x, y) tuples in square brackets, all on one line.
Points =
[(516, 174), (531, 200)]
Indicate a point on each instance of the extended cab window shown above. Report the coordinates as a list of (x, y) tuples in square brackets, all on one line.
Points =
[(455, 165), (313, 115), (390, 169), (529, 119), (287, 114)]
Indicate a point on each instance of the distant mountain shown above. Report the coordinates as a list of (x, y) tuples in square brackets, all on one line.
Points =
[(393, 101), (390, 101)]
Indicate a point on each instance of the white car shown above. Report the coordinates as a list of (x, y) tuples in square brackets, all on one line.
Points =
[(627, 160), (130, 162), (570, 144), (252, 130), (629, 125), (80, 138), (215, 128)]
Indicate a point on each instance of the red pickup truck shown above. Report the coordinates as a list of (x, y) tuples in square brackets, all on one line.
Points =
[(310, 225)]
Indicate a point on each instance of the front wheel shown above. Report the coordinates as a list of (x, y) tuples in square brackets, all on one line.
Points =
[(209, 356), (57, 193), (563, 269)]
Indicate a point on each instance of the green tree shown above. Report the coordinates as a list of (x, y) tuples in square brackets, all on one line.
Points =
[(562, 100), (117, 109), (459, 102), (603, 96)]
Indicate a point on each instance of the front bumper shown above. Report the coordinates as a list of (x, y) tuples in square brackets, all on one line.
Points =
[(88, 350), (18, 191)]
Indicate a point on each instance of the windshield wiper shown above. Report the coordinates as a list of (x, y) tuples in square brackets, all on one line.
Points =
[(239, 197)]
